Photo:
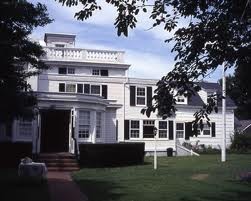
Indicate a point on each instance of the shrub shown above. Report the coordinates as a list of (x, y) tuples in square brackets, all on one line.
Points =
[(118, 154), (11, 153)]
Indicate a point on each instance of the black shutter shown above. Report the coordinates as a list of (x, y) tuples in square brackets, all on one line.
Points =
[(132, 95), (104, 91), (80, 88), (213, 129), (126, 130), (188, 130), (86, 88), (61, 87), (149, 96), (170, 129), (104, 72)]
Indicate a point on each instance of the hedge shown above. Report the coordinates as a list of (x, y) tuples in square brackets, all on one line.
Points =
[(11, 153), (116, 154)]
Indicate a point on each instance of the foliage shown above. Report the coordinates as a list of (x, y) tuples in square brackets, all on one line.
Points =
[(239, 90), (241, 142), (18, 54), (218, 33)]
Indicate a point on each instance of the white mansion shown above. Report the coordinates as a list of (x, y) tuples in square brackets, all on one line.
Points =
[(87, 97)]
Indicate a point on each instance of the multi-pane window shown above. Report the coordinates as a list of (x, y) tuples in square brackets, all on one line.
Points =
[(71, 88), (71, 70), (95, 89), (148, 128), (162, 129), (180, 99), (98, 72), (134, 129), (141, 96), (206, 130), (180, 130), (64, 70), (95, 72), (25, 128), (84, 124), (98, 124)]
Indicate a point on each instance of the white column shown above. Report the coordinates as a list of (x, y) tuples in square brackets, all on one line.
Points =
[(93, 126), (103, 128)]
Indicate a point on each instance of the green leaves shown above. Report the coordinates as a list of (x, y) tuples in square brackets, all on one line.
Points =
[(18, 53)]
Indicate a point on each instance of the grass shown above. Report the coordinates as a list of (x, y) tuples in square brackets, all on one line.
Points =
[(202, 178), (14, 188)]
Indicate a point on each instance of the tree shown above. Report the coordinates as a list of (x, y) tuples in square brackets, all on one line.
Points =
[(18, 52), (219, 33), (239, 90)]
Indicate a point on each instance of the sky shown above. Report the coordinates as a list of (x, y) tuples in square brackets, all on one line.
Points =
[(145, 49)]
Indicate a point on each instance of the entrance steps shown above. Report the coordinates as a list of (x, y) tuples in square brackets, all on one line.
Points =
[(59, 161)]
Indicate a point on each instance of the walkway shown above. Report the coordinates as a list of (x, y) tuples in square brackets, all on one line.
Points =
[(62, 187)]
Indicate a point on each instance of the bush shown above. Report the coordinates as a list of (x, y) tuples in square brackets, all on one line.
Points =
[(119, 154), (241, 142), (11, 153)]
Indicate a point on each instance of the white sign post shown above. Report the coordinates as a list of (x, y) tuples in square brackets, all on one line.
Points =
[(155, 147), (223, 147)]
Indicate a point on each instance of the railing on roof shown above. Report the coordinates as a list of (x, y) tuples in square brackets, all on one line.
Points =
[(78, 54)]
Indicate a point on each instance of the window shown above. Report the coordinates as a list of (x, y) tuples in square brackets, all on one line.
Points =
[(104, 72), (180, 99), (95, 72), (84, 124), (25, 128), (179, 130), (206, 130), (62, 70), (71, 88), (71, 70), (98, 124), (59, 45), (65, 71), (148, 127), (61, 87), (99, 72), (80, 88), (95, 89), (134, 129), (140, 96), (162, 129)]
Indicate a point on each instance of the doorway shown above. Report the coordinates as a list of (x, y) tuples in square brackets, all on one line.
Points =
[(55, 131)]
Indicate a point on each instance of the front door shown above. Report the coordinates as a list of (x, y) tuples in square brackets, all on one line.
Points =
[(55, 130)]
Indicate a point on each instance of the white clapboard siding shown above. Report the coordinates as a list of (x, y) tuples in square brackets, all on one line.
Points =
[(110, 126)]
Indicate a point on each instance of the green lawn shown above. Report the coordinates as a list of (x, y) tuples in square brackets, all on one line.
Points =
[(14, 188), (202, 178)]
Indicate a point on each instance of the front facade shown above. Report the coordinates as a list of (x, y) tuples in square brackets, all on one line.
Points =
[(86, 97)]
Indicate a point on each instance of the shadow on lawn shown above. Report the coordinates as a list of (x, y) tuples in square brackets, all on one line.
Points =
[(100, 190)]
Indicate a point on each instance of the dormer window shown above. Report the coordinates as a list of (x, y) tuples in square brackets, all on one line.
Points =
[(212, 95), (181, 99)]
